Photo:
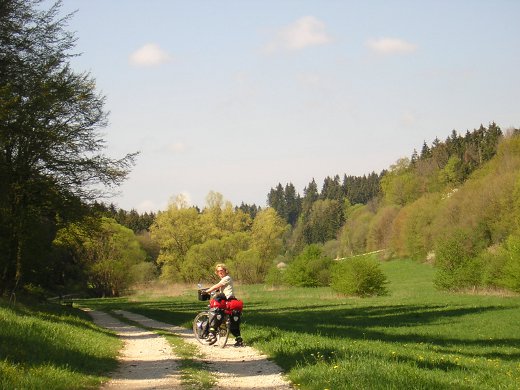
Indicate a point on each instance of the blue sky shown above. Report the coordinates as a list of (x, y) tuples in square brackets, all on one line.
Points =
[(238, 96)]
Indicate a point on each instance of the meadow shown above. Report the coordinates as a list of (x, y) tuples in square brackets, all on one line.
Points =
[(48, 346), (414, 338)]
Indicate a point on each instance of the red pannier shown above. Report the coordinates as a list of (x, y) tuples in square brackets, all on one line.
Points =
[(220, 304), (234, 304)]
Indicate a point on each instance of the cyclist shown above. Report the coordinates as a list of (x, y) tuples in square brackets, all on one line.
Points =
[(226, 292)]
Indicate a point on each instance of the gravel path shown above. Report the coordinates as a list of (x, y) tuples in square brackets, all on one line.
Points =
[(148, 364), (146, 361)]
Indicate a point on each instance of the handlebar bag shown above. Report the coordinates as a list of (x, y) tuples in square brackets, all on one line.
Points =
[(203, 295)]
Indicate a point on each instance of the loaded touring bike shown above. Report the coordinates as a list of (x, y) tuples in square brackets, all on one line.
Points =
[(223, 315)]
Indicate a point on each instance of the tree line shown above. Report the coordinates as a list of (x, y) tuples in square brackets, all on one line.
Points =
[(413, 209)]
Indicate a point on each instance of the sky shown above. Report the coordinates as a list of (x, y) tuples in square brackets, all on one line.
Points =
[(237, 96)]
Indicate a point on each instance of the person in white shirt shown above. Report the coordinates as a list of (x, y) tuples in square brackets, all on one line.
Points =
[(226, 292)]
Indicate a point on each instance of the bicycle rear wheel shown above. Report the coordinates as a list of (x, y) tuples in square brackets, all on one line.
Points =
[(223, 333), (200, 326)]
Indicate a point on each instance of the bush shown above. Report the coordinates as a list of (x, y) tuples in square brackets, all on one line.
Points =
[(275, 276), (249, 267), (143, 272), (457, 262), (309, 269), (360, 276), (511, 272)]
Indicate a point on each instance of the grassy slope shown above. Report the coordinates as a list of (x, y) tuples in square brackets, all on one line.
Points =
[(53, 347), (416, 337)]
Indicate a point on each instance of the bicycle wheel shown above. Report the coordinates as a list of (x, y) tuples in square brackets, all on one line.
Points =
[(200, 326), (223, 333)]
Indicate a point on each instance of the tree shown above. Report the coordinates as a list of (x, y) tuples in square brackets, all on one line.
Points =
[(267, 233), (176, 230), (276, 200), (286, 202), (51, 156), (400, 184), (220, 218), (361, 189), (251, 210), (380, 230), (452, 173), (354, 233), (324, 221), (110, 253), (249, 267), (332, 189), (292, 204), (310, 195), (201, 258)]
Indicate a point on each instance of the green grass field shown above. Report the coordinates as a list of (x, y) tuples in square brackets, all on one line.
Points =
[(414, 338), (53, 347)]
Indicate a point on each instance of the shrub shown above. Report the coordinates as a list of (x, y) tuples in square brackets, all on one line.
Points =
[(249, 267), (457, 262), (309, 269), (360, 276), (275, 276), (511, 272)]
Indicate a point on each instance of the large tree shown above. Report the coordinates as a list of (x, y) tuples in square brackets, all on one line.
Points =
[(51, 151)]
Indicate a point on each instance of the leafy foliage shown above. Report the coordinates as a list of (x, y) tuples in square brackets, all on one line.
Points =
[(51, 151), (111, 256), (193, 241), (456, 261), (510, 276), (309, 269), (360, 276)]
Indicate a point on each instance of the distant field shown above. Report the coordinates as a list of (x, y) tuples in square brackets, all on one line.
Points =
[(414, 338)]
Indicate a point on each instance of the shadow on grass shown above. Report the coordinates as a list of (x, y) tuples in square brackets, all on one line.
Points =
[(338, 321), (369, 323), (172, 312), (399, 324)]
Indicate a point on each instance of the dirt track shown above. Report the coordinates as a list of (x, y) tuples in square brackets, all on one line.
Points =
[(148, 362)]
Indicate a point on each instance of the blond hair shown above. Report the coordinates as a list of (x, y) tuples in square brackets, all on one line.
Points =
[(223, 266)]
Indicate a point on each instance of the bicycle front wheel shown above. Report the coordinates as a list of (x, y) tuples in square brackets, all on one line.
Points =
[(200, 326)]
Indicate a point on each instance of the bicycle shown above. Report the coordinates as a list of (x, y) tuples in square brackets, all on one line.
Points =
[(201, 323)]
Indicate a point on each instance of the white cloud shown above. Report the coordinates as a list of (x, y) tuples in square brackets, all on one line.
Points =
[(149, 55), (391, 46), (305, 32)]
